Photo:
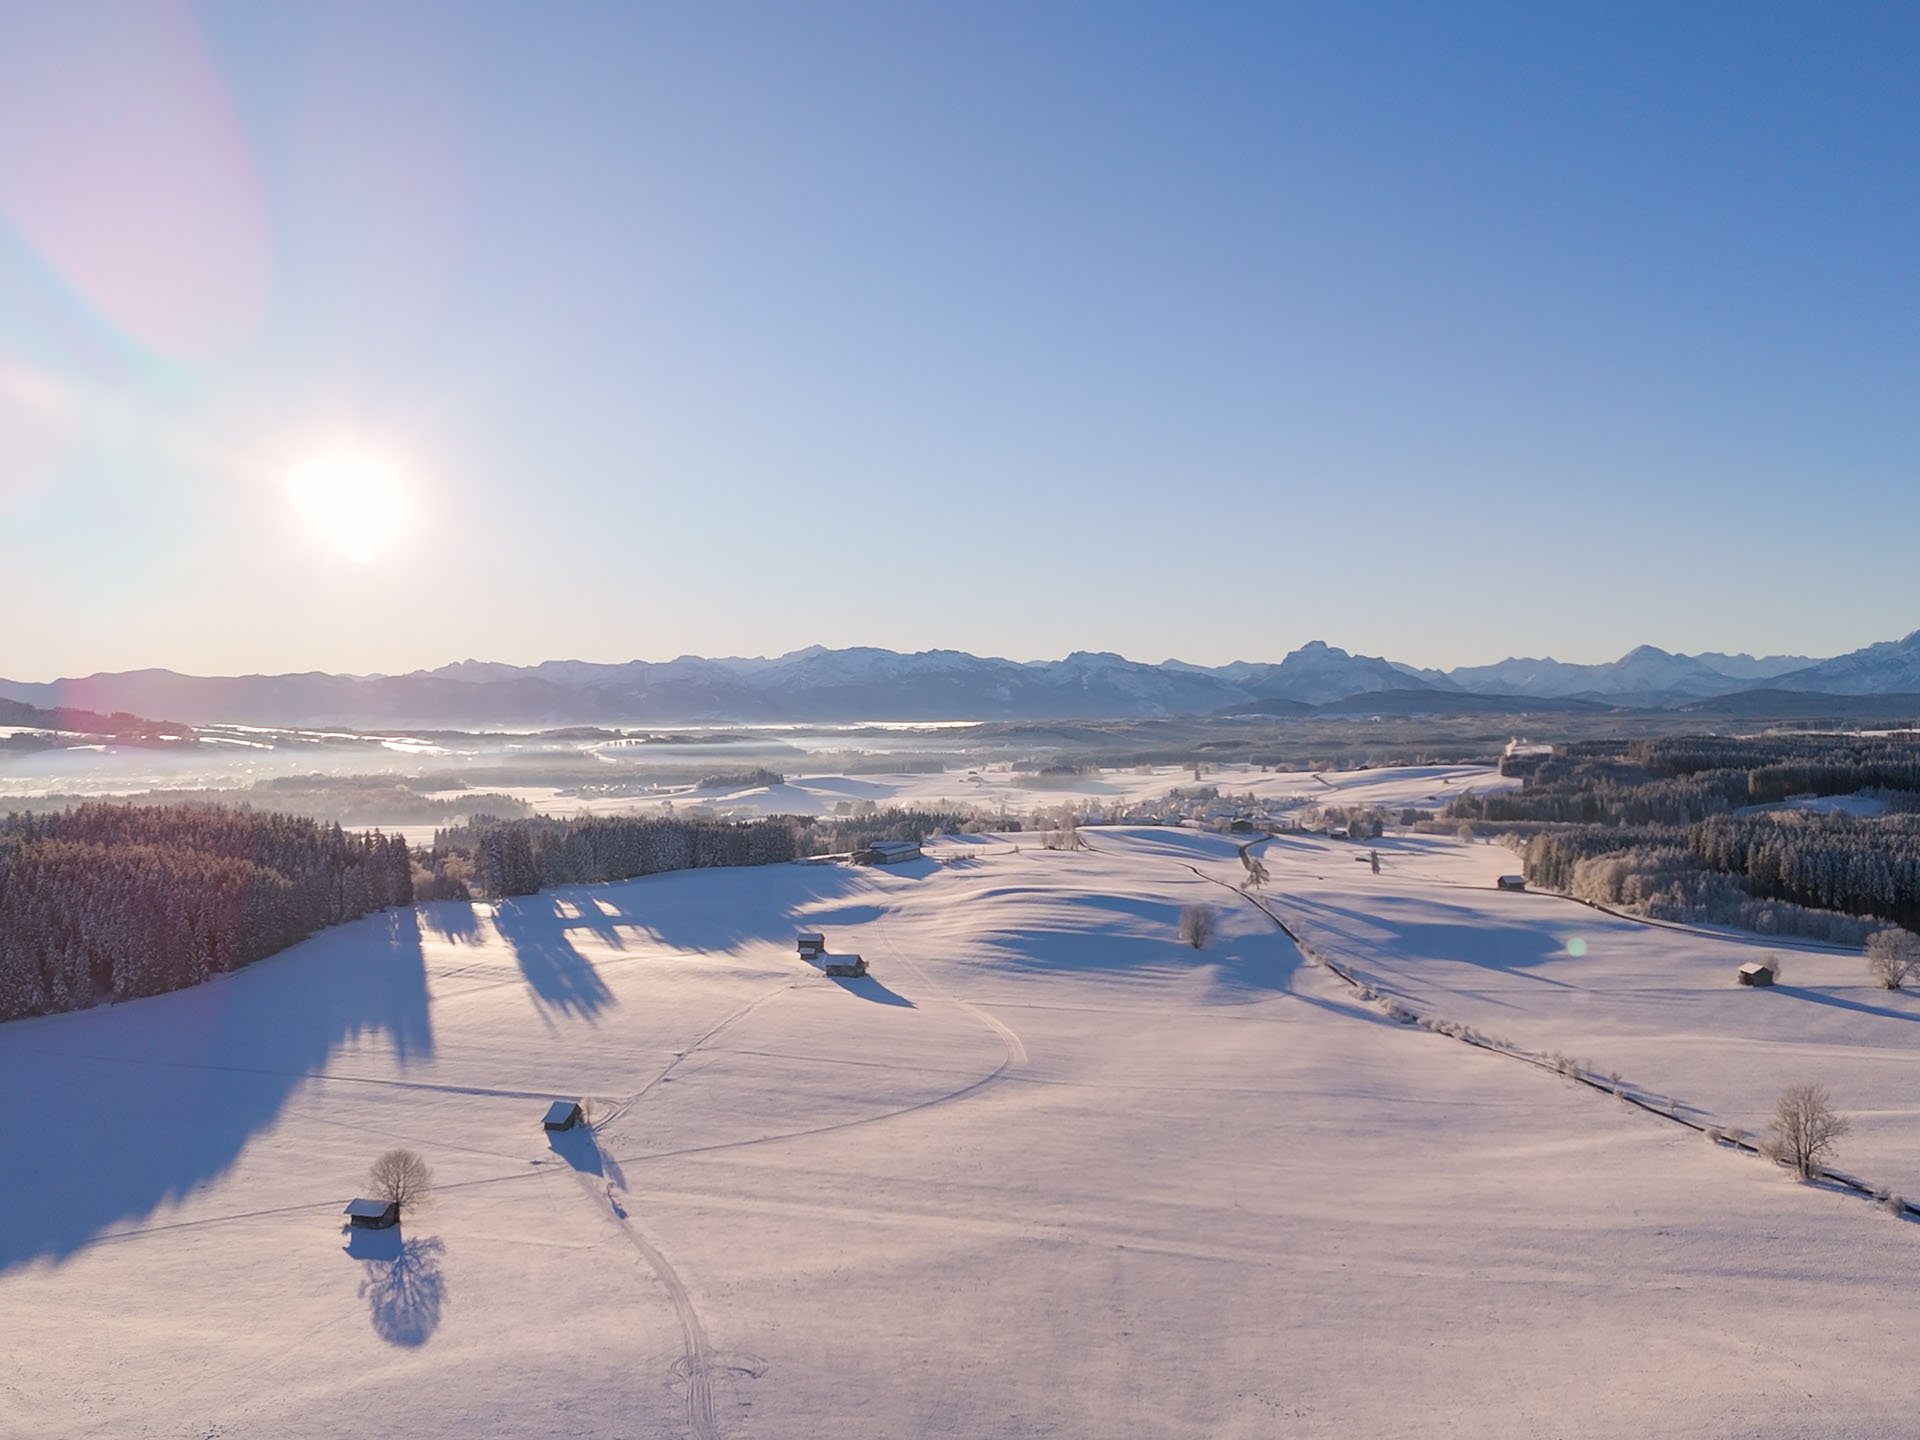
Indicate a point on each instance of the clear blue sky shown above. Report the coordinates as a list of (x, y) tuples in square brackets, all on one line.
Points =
[(1440, 331)]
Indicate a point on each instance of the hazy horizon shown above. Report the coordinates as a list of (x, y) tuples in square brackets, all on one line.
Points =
[(362, 341), (1271, 658)]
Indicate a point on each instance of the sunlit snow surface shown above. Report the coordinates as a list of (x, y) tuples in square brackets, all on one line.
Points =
[(1044, 1172)]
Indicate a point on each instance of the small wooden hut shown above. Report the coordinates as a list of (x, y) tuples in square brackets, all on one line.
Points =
[(373, 1214)]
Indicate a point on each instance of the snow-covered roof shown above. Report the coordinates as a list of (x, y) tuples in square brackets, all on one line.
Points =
[(1754, 967), (561, 1111), (367, 1209), (812, 937)]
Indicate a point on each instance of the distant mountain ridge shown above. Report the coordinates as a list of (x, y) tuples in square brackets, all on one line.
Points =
[(1644, 675), (820, 685)]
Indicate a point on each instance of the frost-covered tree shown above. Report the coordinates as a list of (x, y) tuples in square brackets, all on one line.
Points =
[(1805, 1129), (1197, 925), (402, 1178), (1893, 957)]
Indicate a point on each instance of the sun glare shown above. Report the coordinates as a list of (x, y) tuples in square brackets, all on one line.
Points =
[(354, 502)]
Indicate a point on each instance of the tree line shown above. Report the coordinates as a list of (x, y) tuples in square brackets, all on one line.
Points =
[(109, 902), (1666, 826), (492, 856), (112, 902), (1681, 780)]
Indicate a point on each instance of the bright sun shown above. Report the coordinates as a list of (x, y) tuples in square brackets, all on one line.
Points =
[(353, 501)]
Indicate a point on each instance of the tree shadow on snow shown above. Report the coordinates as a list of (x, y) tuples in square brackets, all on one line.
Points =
[(453, 920), (1118, 935), (560, 977), (1859, 1007), (119, 1110), (721, 910), (404, 1286), (845, 915), (1429, 935), (1176, 842)]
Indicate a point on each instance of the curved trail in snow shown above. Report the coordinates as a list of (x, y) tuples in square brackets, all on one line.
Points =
[(1016, 1047), (681, 1056), (694, 1365)]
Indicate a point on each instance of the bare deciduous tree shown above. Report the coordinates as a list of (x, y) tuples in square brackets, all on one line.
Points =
[(401, 1178), (1805, 1129), (1256, 869), (1196, 925), (1893, 958)]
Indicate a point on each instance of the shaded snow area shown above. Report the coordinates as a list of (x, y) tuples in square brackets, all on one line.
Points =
[(1044, 1171)]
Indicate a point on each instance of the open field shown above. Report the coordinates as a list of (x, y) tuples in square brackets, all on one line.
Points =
[(1044, 1172)]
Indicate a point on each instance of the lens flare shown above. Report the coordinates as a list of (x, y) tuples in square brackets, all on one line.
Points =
[(352, 501)]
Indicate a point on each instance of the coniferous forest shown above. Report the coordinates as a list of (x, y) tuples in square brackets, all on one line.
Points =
[(111, 902), (1681, 829)]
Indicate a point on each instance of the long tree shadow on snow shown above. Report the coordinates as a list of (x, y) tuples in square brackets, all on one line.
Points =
[(560, 977), (721, 910), (453, 920), (115, 1112), (1427, 935), (1121, 935), (1859, 1007), (403, 1283), (707, 910)]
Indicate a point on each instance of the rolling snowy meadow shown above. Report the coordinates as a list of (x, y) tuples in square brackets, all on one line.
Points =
[(1044, 1170)]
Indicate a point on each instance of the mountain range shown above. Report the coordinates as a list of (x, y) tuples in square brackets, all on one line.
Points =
[(839, 686)]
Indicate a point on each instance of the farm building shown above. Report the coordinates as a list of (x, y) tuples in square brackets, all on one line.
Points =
[(1512, 882), (843, 964), (889, 852), (563, 1115), (1757, 972), (373, 1214), (812, 942)]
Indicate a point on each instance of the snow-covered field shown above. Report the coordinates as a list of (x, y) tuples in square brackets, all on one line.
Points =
[(1044, 1172)]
